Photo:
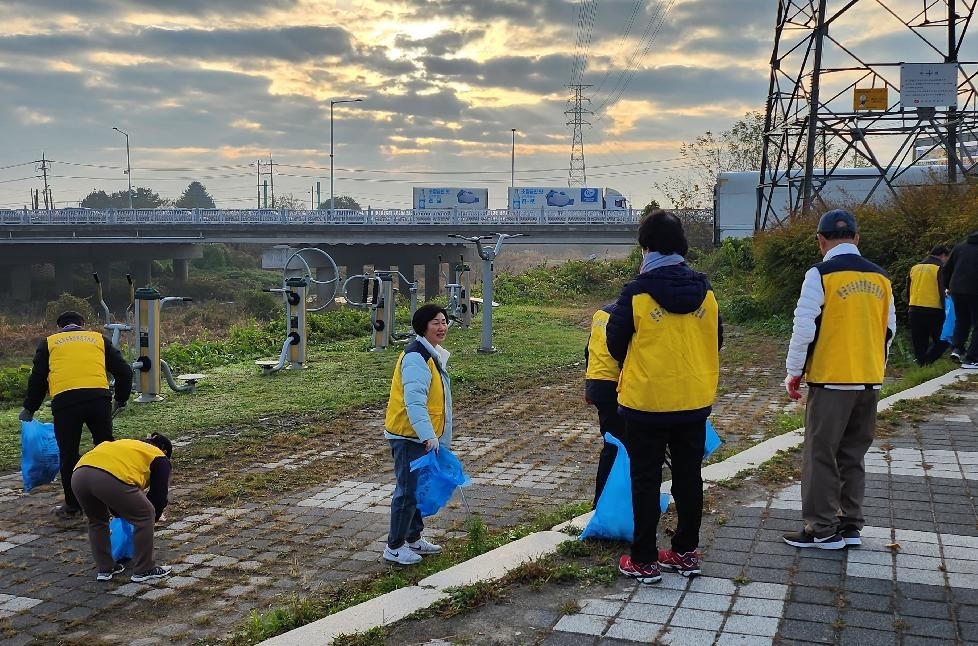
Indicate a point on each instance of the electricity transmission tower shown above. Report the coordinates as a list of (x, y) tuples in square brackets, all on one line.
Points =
[(833, 103), (578, 172)]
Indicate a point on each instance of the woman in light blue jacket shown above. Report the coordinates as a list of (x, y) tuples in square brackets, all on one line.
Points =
[(418, 420)]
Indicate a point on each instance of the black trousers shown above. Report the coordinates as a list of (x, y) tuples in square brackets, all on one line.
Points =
[(610, 422), (925, 334), (646, 447), (68, 421), (965, 325)]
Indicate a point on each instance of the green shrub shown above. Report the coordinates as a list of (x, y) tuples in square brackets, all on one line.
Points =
[(13, 385), (67, 302)]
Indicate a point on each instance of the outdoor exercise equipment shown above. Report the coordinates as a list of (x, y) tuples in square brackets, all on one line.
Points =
[(115, 329), (295, 292), (378, 295), (149, 366), (459, 290), (488, 253)]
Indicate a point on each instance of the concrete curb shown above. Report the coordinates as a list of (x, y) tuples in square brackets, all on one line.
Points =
[(400, 603)]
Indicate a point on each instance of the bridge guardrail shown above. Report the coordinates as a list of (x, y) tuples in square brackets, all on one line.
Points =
[(407, 217)]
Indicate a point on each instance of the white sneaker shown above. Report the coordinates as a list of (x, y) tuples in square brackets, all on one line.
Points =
[(424, 546), (403, 555), (970, 366)]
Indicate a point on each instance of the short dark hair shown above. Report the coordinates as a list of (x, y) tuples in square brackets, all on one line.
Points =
[(940, 250), (70, 318), (161, 442), (663, 232), (424, 315)]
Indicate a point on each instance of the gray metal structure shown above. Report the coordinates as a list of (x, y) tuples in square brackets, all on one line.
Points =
[(815, 123)]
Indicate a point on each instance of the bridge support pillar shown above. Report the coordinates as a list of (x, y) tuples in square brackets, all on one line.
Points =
[(181, 270), (142, 272), (432, 280), (62, 277), (19, 282)]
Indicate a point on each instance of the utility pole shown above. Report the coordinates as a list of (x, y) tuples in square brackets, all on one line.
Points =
[(578, 173), (48, 198), (270, 172)]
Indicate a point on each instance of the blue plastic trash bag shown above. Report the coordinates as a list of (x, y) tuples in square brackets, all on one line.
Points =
[(40, 461), (713, 441), (120, 534), (947, 332), (613, 519), (438, 476)]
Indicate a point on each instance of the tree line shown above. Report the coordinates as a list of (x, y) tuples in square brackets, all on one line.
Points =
[(195, 196)]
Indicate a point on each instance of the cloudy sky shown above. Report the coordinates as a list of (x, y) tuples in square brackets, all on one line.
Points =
[(205, 88)]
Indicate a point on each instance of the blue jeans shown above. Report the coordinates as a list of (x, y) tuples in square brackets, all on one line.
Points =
[(406, 522)]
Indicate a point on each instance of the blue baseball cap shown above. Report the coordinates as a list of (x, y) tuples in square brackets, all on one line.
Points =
[(836, 221)]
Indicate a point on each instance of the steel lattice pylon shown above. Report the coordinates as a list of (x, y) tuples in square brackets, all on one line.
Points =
[(578, 171), (813, 124)]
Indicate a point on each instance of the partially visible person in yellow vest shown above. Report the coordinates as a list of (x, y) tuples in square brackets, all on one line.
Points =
[(418, 420), (925, 300), (110, 480), (601, 372), (71, 366), (843, 326)]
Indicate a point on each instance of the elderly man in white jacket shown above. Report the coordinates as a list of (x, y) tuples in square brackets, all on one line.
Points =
[(843, 326)]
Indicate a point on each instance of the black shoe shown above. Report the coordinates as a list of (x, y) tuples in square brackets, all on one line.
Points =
[(851, 536), (956, 355), (804, 539), (64, 512)]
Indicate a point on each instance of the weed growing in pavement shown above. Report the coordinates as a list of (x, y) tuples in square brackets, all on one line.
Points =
[(373, 637), (465, 598), (570, 607), (741, 579)]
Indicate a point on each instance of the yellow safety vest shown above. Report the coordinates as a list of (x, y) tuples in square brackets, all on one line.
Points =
[(673, 360), (76, 359), (850, 339), (127, 460), (925, 290), (396, 420), (600, 364)]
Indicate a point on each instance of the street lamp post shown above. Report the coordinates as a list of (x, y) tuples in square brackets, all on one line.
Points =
[(512, 170), (128, 166), (332, 102)]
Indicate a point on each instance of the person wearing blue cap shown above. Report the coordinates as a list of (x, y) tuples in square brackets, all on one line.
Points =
[(844, 323)]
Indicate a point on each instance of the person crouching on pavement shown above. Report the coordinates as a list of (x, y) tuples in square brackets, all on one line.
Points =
[(112, 476), (666, 331), (419, 412)]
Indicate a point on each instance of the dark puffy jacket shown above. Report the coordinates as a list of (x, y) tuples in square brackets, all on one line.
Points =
[(961, 269)]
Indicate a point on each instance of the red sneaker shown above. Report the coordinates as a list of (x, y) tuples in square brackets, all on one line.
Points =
[(647, 573), (686, 564)]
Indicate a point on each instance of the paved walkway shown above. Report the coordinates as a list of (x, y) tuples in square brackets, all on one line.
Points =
[(233, 559), (913, 581)]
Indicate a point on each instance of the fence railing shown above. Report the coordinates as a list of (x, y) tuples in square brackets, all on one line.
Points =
[(388, 217)]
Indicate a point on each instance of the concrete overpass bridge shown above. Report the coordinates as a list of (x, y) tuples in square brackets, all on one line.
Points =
[(73, 239)]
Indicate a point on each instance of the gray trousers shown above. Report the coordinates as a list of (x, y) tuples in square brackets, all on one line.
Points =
[(839, 429), (98, 492)]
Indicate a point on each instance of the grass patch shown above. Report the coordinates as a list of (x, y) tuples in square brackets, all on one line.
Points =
[(479, 540)]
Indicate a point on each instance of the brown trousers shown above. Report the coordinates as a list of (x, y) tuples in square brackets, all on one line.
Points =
[(839, 429), (98, 492)]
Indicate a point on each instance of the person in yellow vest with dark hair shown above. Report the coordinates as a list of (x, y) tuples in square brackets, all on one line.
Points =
[(925, 299), (601, 372), (418, 420), (71, 365), (110, 480), (666, 331), (843, 325)]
